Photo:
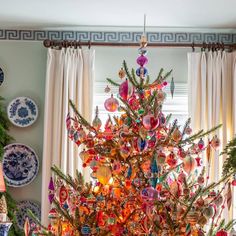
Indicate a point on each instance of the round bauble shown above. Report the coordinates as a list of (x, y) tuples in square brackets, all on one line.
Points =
[(222, 233), (208, 212), (215, 142), (176, 135), (111, 104), (121, 73), (150, 122), (97, 123), (142, 60), (141, 72)]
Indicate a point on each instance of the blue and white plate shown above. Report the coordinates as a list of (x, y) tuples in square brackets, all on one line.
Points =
[(1, 76), (22, 111), (20, 164), (22, 213)]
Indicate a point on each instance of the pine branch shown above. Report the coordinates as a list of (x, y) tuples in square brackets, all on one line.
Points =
[(129, 75), (157, 80), (134, 76), (81, 119), (167, 75), (113, 82), (197, 194), (168, 118), (67, 178)]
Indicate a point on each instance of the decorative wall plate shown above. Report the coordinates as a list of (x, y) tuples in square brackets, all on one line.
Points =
[(22, 111), (20, 164), (21, 214), (1, 76)]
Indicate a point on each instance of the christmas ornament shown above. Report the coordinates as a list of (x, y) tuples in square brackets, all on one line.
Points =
[(189, 163), (27, 227), (97, 123), (103, 174), (142, 60), (125, 90), (221, 233), (150, 122), (107, 89), (121, 73), (111, 104)]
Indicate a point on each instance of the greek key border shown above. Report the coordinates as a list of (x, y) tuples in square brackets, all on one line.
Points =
[(121, 37)]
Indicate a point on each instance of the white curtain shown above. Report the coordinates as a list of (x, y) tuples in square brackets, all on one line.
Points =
[(212, 99), (70, 75)]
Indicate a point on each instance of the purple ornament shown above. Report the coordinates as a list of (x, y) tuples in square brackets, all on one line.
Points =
[(51, 185), (142, 60)]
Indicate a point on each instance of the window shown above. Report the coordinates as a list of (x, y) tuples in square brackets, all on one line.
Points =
[(178, 105)]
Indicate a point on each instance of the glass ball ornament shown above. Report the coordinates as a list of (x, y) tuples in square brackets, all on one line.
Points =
[(125, 90), (176, 135), (182, 177), (171, 160), (161, 95), (142, 60), (134, 103), (201, 144), (222, 233), (107, 89), (103, 174), (176, 188), (208, 212), (141, 72), (162, 119), (111, 104), (188, 130), (150, 122), (189, 164), (121, 73), (152, 142), (215, 142), (97, 123)]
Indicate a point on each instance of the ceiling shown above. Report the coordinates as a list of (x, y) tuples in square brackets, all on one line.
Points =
[(38, 14)]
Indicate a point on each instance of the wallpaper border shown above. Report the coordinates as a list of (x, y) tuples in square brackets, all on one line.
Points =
[(121, 37)]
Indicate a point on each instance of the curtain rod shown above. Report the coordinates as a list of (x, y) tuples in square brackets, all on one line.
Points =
[(64, 44)]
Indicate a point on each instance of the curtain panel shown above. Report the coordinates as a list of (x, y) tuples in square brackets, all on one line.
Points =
[(70, 75), (212, 100)]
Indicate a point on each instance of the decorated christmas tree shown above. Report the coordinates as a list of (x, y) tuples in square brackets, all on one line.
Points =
[(147, 173)]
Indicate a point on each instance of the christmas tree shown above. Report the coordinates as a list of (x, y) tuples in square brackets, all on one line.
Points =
[(5, 138), (148, 178)]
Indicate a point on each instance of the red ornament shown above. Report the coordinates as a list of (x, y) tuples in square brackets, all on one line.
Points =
[(150, 122), (234, 182), (125, 90), (63, 194), (222, 233)]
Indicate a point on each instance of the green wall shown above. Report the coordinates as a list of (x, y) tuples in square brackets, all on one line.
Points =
[(24, 66)]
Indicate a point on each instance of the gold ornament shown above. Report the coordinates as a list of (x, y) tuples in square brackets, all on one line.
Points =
[(103, 174), (121, 73)]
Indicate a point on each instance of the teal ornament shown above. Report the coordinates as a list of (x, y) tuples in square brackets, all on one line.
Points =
[(85, 230), (172, 87), (129, 173), (154, 168)]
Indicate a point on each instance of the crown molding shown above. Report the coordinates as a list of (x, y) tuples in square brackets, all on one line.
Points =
[(117, 36)]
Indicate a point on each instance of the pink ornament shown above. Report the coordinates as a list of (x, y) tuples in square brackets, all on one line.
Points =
[(134, 103), (181, 177), (142, 60), (111, 104), (189, 164), (150, 122), (188, 130), (125, 90), (234, 182)]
